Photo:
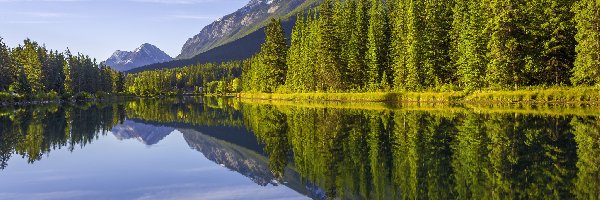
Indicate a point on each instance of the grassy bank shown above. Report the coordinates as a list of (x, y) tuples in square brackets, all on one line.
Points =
[(532, 95), (7, 99)]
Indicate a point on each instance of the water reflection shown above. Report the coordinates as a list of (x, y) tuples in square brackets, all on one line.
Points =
[(344, 152)]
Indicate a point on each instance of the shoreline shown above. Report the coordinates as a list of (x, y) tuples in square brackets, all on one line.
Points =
[(532, 96)]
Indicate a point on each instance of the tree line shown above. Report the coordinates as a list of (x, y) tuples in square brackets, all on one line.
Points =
[(409, 45), (211, 77), (31, 70)]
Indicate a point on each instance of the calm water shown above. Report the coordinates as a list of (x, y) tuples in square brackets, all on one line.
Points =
[(225, 149)]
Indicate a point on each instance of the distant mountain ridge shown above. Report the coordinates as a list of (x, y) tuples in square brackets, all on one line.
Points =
[(146, 54), (240, 49), (244, 21)]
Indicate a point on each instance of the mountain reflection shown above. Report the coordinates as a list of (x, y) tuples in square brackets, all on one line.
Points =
[(147, 134), (411, 152)]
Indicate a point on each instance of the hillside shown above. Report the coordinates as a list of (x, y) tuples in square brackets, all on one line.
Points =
[(240, 49), (241, 23)]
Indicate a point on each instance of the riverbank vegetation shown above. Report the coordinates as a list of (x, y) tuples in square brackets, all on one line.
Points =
[(31, 72), (525, 95)]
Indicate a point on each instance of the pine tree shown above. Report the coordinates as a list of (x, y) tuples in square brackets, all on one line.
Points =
[(328, 70), (506, 51), (398, 46), (273, 55), (7, 67), (469, 44), (408, 45), (557, 52), (357, 44), (435, 60), (377, 52), (587, 63)]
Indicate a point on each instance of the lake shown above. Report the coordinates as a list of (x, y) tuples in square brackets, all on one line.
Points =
[(194, 148)]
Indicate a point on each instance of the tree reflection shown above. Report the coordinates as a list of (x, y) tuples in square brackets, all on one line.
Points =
[(361, 154), (34, 131)]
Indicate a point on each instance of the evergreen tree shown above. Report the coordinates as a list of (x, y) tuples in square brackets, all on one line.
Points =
[(272, 66), (295, 80), (408, 45), (558, 41), (329, 68), (357, 46), (506, 46), (437, 25), (377, 52), (6, 67), (469, 44), (587, 63), (26, 57)]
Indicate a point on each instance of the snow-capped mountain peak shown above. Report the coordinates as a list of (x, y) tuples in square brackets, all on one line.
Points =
[(146, 54)]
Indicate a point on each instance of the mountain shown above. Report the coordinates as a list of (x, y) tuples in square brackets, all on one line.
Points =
[(243, 22), (144, 55), (240, 49)]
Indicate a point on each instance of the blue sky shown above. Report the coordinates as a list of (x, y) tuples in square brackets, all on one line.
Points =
[(99, 27)]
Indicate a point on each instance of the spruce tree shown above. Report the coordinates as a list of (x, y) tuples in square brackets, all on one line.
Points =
[(377, 51), (357, 44), (273, 53), (587, 63), (469, 44), (437, 25), (398, 54), (558, 42), (294, 57), (408, 45), (506, 46), (329, 68), (7, 67)]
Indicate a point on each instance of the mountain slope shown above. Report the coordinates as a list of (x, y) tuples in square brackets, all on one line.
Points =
[(241, 23), (146, 54), (240, 49)]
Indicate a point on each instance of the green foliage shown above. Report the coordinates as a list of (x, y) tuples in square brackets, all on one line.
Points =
[(181, 80), (32, 71), (7, 67), (469, 45), (408, 45), (587, 63), (328, 69)]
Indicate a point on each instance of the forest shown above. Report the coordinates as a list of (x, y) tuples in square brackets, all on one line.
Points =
[(31, 71), (407, 45), (360, 46), (211, 78)]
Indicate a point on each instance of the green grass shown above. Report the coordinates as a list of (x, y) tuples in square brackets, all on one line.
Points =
[(556, 109), (531, 95)]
